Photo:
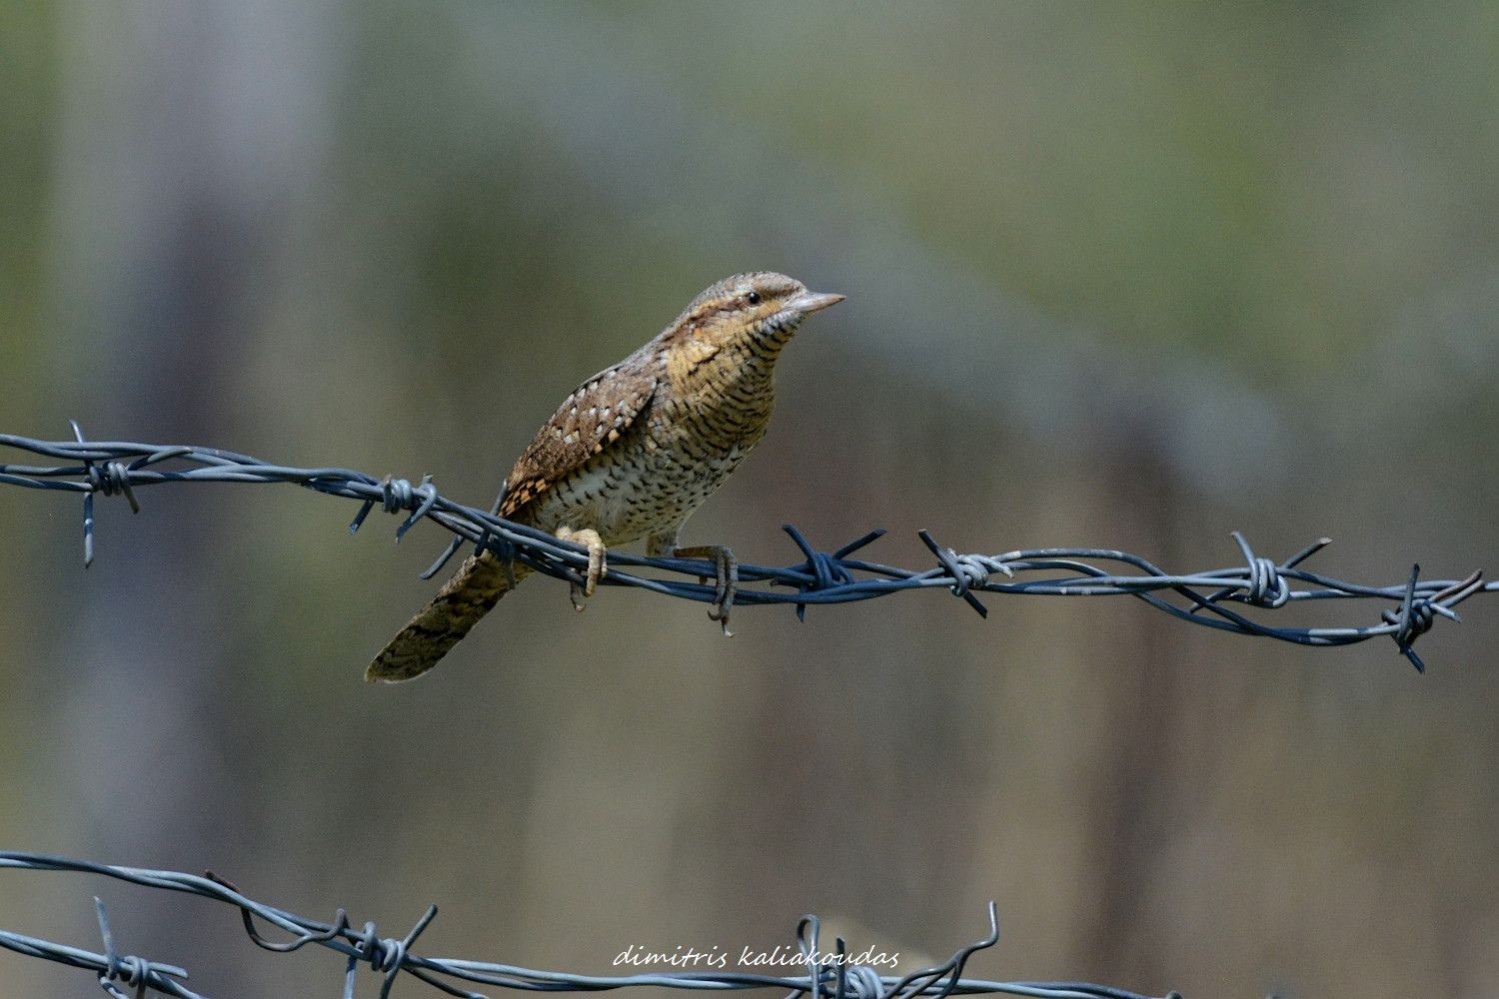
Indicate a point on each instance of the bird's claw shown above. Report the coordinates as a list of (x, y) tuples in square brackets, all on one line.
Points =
[(725, 578), (597, 565), (727, 584)]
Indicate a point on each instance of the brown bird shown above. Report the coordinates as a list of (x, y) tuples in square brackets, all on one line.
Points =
[(632, 453)]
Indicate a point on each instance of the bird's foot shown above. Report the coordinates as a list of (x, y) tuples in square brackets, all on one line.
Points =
[(726, 578), (597, 563)]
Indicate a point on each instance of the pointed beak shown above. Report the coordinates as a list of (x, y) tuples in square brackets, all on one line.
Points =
[(812, 301)]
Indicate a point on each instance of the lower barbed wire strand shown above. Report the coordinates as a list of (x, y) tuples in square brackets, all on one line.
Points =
[(393, 958)]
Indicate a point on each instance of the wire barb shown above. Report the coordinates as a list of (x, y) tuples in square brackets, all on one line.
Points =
[(1222, 599), (115, 479)]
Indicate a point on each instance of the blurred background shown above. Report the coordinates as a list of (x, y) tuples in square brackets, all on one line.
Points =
[(1129, 275)]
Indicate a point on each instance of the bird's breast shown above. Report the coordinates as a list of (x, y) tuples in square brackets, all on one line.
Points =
[(652, 478)]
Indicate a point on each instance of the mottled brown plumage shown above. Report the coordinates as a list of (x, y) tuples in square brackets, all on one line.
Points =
[(632, 452)]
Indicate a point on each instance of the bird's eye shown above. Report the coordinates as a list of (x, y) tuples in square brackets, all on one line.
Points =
[(753, 298)]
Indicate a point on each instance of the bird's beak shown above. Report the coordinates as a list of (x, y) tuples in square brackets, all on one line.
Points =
[(812, 301)]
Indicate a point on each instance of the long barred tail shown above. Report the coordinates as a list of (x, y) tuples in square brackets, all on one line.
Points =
[(474, 589)]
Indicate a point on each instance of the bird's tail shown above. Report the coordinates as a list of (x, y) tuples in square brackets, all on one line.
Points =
[(468, 596)]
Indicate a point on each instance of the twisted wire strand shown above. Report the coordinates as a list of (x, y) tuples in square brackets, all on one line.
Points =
[(1222, 599), (391, 957)]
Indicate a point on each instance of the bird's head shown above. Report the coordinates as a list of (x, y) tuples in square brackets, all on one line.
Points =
[(760, 310)]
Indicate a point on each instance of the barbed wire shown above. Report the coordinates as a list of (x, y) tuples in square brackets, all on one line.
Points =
[(1217, 598), (828, 973)]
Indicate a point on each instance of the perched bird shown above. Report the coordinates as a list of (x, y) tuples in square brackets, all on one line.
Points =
[(631, 453)]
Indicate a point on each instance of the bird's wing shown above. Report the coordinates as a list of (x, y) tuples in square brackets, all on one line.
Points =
[(589, 420)]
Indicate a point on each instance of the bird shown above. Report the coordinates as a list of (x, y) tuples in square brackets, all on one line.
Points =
[(630, 454)]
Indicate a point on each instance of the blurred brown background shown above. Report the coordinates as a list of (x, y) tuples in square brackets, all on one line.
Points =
[(1130, 275)]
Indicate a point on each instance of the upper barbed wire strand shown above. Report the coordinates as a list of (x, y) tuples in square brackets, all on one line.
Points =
[(1217, 598)]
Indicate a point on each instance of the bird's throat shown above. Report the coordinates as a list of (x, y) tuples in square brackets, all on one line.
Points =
[(728, 395)]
